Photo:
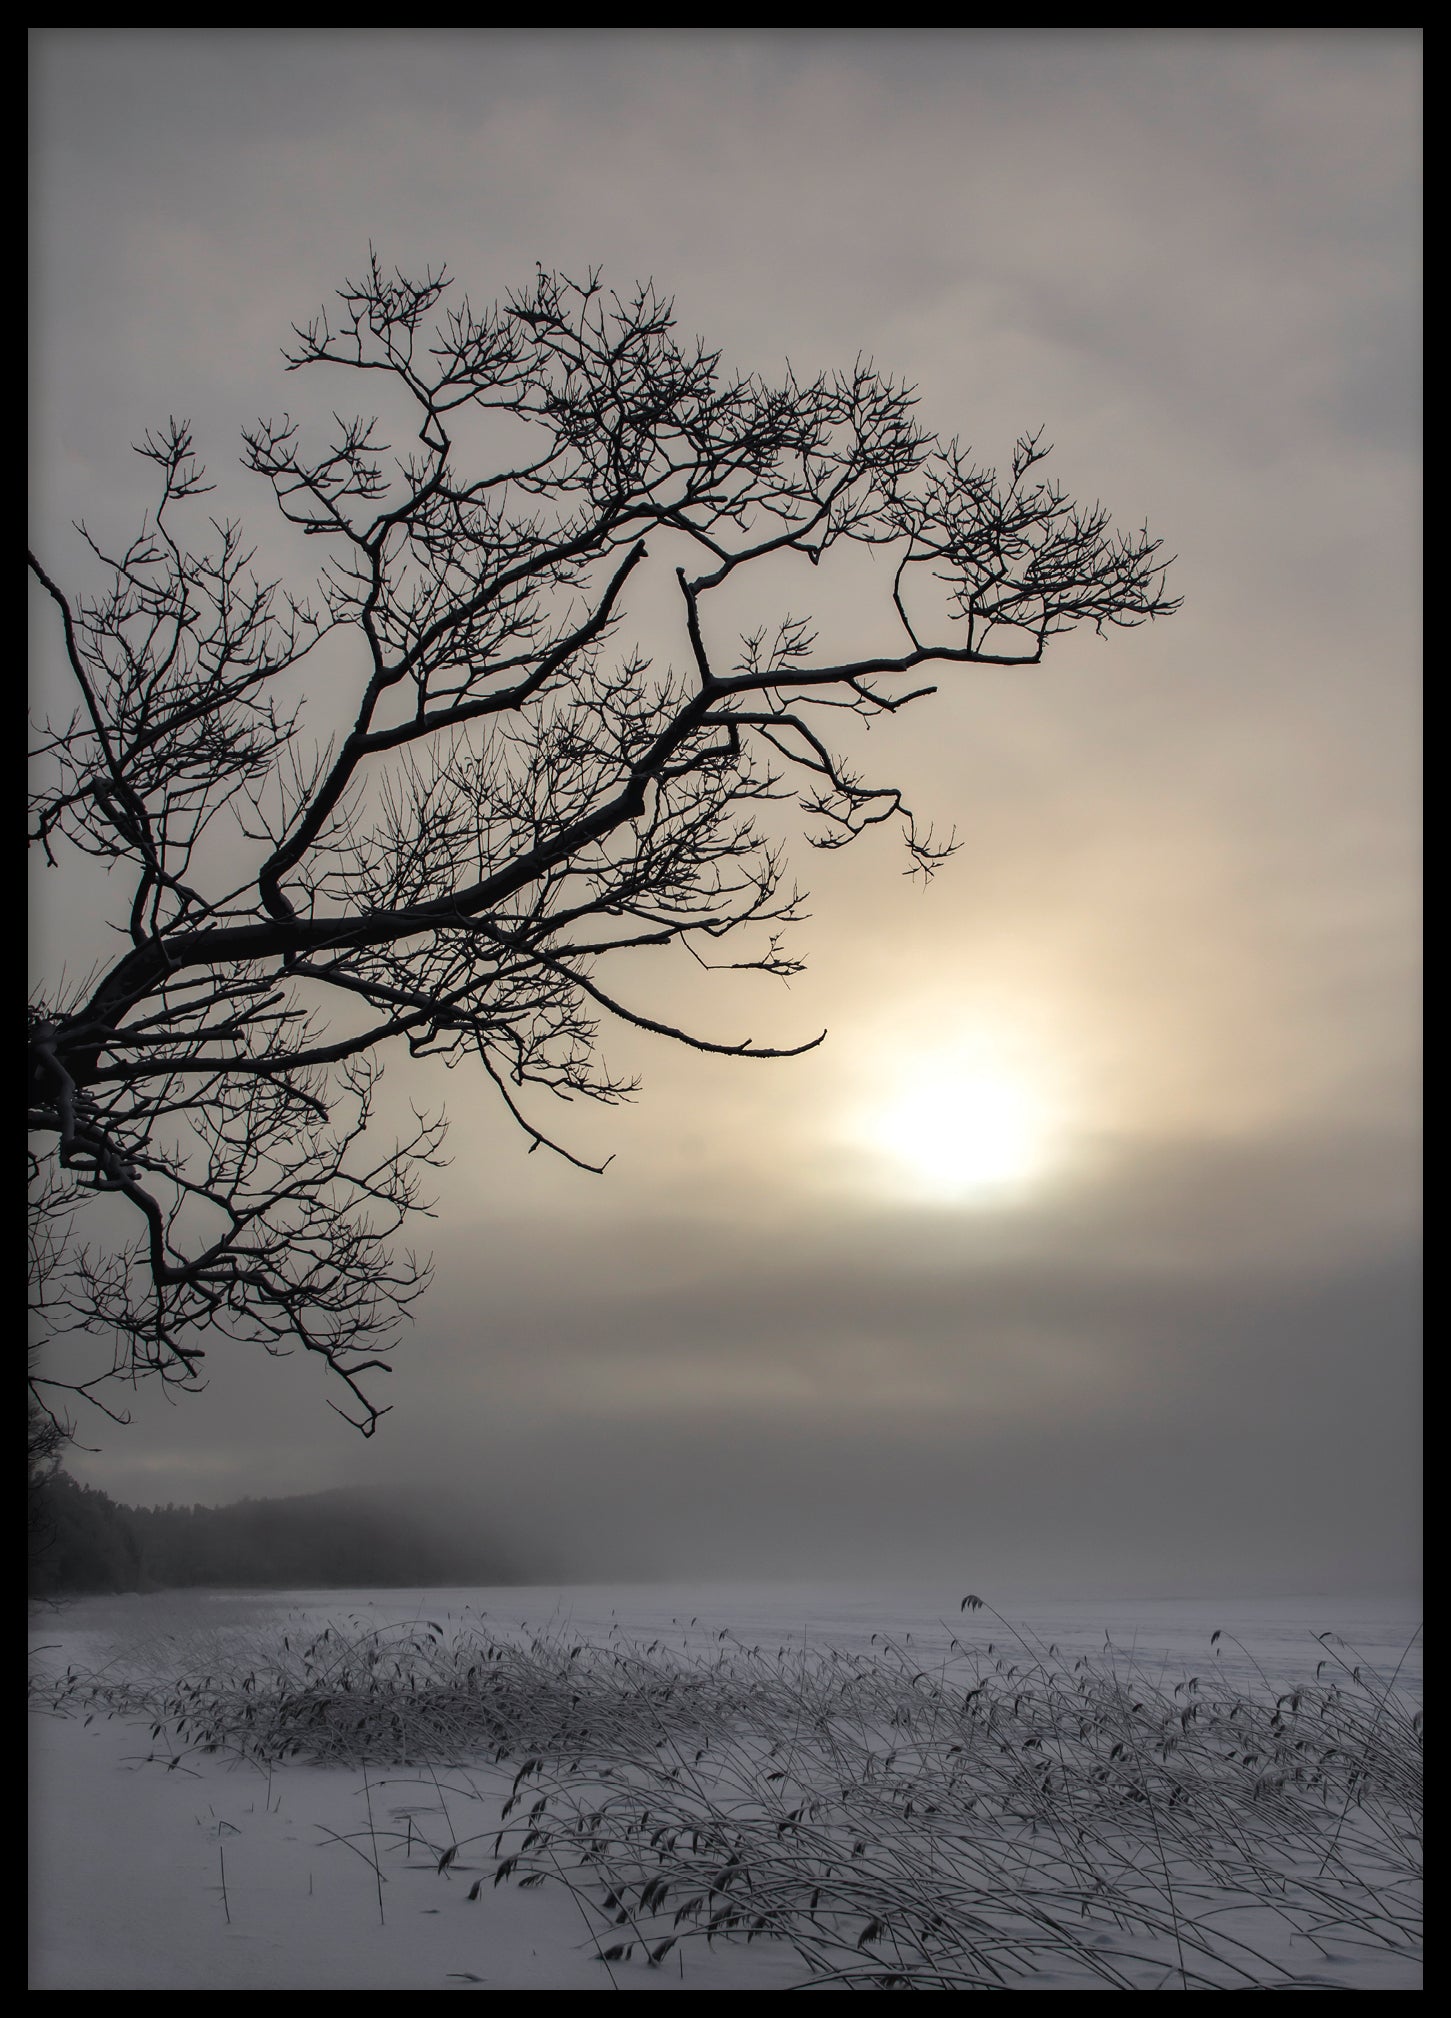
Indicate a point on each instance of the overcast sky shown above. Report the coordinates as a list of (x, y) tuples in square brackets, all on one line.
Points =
[(1169, 1340)]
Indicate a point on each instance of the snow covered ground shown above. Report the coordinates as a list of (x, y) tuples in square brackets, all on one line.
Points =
[(158, 1865)]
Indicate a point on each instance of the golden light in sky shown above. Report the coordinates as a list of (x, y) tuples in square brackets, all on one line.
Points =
[(977, 1134), (965, 1123)]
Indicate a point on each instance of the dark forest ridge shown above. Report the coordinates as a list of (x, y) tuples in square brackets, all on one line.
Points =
[(84, 1541)]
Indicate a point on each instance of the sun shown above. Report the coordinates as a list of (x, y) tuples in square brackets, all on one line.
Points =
[(959, 1129), (978, 1134)]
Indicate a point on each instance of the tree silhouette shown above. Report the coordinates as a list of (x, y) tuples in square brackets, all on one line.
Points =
[(516, 803), (45, 1439)]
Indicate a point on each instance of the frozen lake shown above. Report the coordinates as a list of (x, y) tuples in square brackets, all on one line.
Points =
[(1155, 1634), (157, 1863)]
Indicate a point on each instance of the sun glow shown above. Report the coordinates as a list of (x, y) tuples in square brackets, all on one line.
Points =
[(959, 1126)]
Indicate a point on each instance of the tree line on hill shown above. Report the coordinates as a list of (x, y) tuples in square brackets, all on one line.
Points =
[(81, 1541)]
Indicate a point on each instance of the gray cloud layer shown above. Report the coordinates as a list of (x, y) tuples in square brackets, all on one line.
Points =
[(1188, 884)]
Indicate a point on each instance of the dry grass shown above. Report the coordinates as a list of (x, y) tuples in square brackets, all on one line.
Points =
[(989, 1815)]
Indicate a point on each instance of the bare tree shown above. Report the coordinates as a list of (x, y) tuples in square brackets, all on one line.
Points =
[(46, 1437), (515, 804)]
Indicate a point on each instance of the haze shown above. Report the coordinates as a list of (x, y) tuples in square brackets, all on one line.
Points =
[(1158, 1328)]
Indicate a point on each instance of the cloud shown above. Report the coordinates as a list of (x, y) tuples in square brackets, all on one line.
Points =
[(1188, 887)]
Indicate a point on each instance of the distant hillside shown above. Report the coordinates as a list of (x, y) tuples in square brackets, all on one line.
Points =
[(84, 1541)]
